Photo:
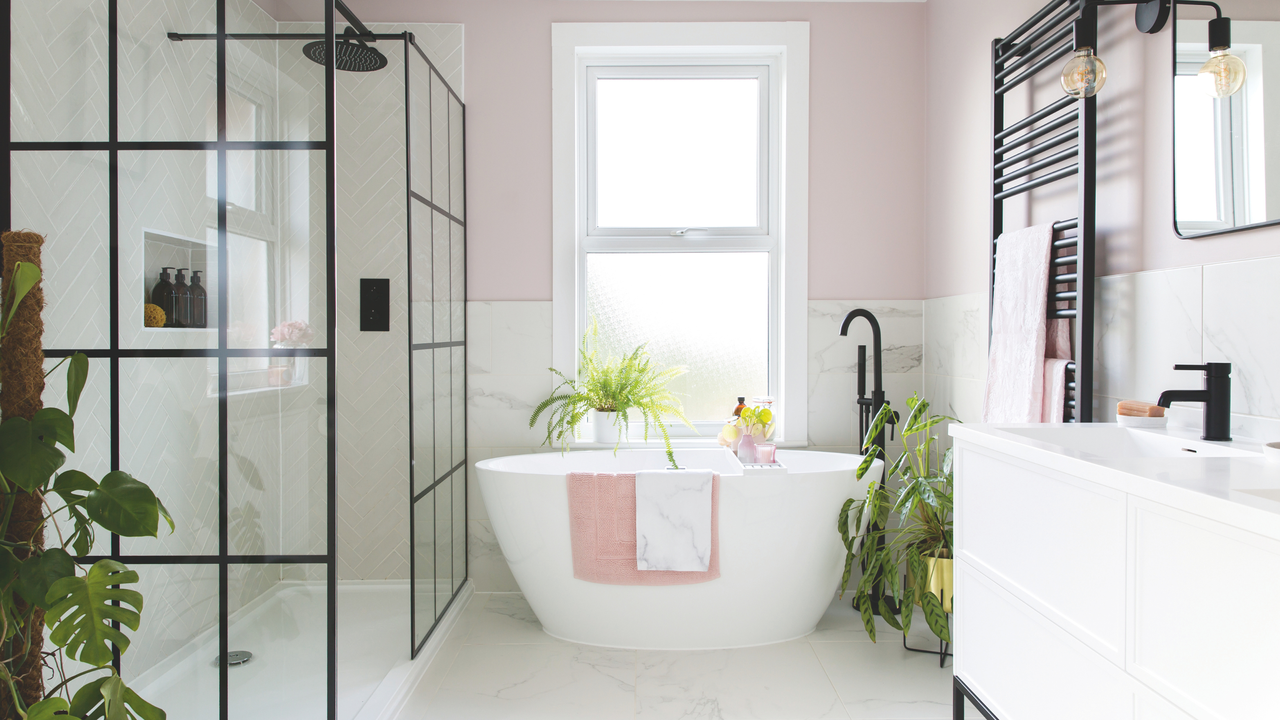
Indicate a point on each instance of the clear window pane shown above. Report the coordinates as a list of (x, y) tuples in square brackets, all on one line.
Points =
[(677, 152), (706, 311), (1195, 152)]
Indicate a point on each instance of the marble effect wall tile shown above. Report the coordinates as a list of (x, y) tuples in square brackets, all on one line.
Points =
[(955, 336), (1241, 317), (901, 329), (1146, 323)]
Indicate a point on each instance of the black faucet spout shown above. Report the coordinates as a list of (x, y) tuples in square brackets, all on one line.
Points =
[(1216, 397), (1169, 397), (875, 342)]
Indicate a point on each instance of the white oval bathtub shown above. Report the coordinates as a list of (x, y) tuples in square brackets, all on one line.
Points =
[(780, 554)]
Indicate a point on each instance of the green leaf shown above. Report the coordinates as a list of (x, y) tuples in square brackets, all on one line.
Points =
[(908, 609), (934, 615), (164, 513), (46, 709), (10, 567), (24, 277), (919, 571), (53, 425), (24, 460), (886, 612), (69, 484), (77, 374), (868, 620), (39, 573), (125, 506), (113, 697), (848, 570), (877, 425), (81, 612), (87, 702)]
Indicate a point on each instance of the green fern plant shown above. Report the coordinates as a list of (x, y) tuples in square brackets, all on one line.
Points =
[(626, 386)]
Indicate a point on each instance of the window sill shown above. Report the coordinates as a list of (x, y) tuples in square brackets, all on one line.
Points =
[(676, 444)]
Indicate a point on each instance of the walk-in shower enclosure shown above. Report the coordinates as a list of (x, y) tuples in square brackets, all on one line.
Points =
[(147, 134)]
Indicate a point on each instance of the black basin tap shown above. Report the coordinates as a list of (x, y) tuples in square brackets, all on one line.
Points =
[(1216, 397)]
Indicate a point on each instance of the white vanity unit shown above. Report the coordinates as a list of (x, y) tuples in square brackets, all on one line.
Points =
[(1105, 572)]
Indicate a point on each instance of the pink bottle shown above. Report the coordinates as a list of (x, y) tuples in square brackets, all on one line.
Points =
[(747, 449)]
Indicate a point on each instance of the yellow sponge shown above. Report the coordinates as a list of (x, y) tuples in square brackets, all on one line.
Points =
[(152, 315)]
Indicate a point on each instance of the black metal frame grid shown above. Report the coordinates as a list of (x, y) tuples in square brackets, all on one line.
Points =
[(113, 146), (411, 196), (1041, 43)]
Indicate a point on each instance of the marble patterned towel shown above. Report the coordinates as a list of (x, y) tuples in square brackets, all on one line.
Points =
[(602, 532), (673, 520)]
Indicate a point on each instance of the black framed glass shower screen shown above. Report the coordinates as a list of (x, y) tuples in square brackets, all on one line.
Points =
[(435, 158), (132, 151)]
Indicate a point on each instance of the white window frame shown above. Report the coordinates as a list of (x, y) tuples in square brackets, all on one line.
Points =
[(779, 52)]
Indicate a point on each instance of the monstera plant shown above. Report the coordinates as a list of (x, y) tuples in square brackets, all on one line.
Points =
[(48, 517)]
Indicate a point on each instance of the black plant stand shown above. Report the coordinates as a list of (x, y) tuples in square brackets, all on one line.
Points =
[(943, 652)]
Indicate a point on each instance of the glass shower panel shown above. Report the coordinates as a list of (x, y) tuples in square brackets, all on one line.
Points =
[(273, 91), (444, 545), (167, 219), (443, 415), (64, 196), (457, 282), (168, 90), (169, 440), (459, 525), (58, 71), (456, 153), (441, 274), (279, 613), (424, 420), (93, 430), (424, 566), (420, 136), (171, 661), (275, 251), (421, 248), (276, 463), (439, 143)]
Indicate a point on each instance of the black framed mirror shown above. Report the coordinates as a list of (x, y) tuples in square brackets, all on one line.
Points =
[(1226, 149)]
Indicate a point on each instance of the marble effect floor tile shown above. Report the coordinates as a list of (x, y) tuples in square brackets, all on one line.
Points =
[(498, 663), (783, 682), (533, 682)]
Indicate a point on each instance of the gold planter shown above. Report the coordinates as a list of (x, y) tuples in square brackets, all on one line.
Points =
[(941, 581)]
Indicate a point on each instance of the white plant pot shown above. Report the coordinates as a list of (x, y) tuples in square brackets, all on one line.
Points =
[(606, 431)]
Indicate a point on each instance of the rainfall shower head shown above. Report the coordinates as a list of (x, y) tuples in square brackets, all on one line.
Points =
[(348, 55), (350, 52)]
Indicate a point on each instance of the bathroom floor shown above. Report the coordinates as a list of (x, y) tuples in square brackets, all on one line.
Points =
[(497, 663)]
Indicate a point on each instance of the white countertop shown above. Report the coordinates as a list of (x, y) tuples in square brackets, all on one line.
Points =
[(1243, 491)]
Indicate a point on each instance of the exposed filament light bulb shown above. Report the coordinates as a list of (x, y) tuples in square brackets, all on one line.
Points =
[(1223, 75), (1084, 75)]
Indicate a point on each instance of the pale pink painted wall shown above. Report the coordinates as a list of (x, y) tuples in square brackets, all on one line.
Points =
[(867, 123), (1135, 214)]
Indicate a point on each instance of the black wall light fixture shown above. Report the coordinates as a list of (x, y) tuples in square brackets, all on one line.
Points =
[(1222, 76)]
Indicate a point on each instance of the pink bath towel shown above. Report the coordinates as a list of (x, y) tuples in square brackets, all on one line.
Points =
[(602, 530)]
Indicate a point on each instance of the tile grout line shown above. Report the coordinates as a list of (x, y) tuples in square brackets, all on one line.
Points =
[(827, 673)]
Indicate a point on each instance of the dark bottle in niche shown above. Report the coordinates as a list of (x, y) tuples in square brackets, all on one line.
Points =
[(163, 296), (182, 300), (199, 302)]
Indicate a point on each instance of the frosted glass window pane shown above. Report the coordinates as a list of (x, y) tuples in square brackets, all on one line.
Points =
[(1195, 151), (706, 311), (677, 152)]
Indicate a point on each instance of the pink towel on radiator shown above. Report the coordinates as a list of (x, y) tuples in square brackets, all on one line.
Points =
[(602, 531)]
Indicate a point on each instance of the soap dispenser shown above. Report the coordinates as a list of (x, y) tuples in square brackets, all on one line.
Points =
[(163, 296), (182, 300), (199, 302)]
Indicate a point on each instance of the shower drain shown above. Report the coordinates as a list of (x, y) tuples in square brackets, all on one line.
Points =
[(234, 658)]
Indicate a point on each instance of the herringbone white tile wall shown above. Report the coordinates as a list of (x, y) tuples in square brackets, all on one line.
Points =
[(58, 77), (63, 196)]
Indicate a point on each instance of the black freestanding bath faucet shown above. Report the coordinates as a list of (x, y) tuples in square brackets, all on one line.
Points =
[(1216, 397), (868, 408)]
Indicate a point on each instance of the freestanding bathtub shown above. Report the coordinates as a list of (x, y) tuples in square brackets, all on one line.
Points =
[(780, 554)]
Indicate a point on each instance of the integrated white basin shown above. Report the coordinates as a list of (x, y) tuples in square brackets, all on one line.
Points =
[(1113, 441)]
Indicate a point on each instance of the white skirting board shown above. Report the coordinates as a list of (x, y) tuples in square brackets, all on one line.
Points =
[(388, 701)]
